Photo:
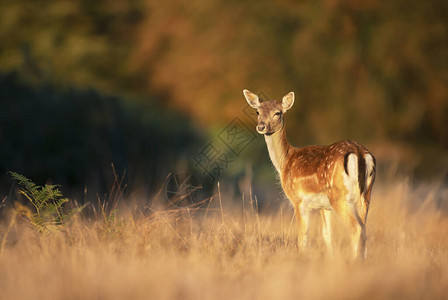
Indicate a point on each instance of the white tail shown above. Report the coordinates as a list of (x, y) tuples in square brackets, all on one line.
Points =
[(336, 178)]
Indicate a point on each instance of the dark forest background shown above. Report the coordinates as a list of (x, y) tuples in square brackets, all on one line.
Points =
[(146, 85)]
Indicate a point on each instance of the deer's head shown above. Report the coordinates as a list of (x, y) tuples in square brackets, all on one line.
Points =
[(270, 113)]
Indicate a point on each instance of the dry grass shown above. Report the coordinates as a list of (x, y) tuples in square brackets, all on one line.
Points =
[(232, 254)]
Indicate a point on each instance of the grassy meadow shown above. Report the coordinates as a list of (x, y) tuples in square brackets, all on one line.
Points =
[(227, 250), (152, 87)]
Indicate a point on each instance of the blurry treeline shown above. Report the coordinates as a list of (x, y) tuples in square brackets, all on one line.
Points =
[(375, 71), (83, 139), (365, 69)]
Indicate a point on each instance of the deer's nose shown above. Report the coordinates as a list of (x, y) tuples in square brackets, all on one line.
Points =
[(261, 127)]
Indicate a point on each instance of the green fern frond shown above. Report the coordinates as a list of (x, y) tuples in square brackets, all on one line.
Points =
[(48, 202)]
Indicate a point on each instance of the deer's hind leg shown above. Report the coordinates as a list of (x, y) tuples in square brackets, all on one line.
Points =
[(357, 229), (349, 199)]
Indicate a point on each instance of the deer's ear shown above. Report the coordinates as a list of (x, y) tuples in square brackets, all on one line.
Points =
[(288, 101), (252, 99)]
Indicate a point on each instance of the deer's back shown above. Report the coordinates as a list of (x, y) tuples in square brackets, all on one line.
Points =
[(315, 170)]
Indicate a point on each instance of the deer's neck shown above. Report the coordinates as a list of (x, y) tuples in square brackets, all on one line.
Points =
[(278, 148)]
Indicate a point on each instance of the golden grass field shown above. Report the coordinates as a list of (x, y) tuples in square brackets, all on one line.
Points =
[(226, 252)]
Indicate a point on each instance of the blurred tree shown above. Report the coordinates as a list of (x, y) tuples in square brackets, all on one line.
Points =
[(375, 69), (372, 70), (83, 43), (71, 137)]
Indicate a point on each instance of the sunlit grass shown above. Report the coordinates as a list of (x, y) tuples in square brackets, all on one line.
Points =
[(231, 253)]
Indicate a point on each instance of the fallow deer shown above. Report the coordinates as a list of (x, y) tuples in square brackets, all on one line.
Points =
[(335, 179)]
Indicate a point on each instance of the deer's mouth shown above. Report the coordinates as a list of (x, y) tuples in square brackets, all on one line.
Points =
[(265, 132), (265, 129)]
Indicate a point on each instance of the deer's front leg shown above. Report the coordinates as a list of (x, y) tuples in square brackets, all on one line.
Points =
[(302, 214), (326, 216)]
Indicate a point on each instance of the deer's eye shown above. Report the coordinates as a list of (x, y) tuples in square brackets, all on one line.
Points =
[(257, 113), (277, 113)]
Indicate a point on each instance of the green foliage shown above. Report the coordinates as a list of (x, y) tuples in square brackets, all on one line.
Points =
[(370, 70), (373, 71), (48, 202), (69, 42), (71, 136), (112, 226)]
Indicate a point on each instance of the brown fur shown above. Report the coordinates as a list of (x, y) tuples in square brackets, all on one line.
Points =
[(319, 176), (320, 161)]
